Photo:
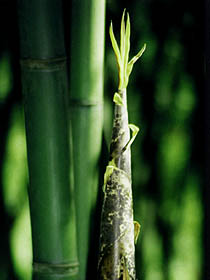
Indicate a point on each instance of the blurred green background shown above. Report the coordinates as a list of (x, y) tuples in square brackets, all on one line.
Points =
[(165, 99)]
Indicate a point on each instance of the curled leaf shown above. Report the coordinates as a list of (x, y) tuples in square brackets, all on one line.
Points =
[(137, 228), (135, 131), (118, 99)]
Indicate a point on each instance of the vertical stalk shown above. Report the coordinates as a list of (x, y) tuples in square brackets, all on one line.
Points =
[(44, 82), (86, 97), (119, 231)]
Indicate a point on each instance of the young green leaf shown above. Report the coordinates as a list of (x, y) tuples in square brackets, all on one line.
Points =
[(122, 53), (118, 99), (137, 228), (114, 45), (127, 42), (134, 59), (122, 35), (135, 131)]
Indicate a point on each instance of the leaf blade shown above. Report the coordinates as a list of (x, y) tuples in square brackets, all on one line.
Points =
[(134, 59), (122, 35), (114, 45), (127, 39)]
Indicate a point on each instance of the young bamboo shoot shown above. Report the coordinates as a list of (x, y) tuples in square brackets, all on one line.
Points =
[(118, 230)]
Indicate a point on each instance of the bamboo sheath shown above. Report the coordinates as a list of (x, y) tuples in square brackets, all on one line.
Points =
[(117, 252), (44, 85)]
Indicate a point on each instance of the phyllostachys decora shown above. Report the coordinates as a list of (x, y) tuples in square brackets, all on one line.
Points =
[(118, 230)]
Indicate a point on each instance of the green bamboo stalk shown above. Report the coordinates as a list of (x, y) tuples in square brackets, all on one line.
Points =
[(44, 82), (119, 232), (86, 98)]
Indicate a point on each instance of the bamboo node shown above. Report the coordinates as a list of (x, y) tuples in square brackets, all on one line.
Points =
[(45, 64), (61, 268)]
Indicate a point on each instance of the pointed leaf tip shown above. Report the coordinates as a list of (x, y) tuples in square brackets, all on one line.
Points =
[(139, 54), (122, 35), (134, 59), (114, 44), (144, 47)]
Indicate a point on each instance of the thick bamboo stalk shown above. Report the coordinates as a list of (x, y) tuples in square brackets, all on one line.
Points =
[(86, 97), (44, 81)]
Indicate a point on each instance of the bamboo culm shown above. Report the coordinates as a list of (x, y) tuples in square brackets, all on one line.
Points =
[(44, 85), (86, 115)]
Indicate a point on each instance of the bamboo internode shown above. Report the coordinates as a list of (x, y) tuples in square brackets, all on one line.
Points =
[(45, 90)]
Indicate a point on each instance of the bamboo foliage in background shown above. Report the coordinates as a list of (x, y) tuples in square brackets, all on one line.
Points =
[(86, 97), (44, 82)]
